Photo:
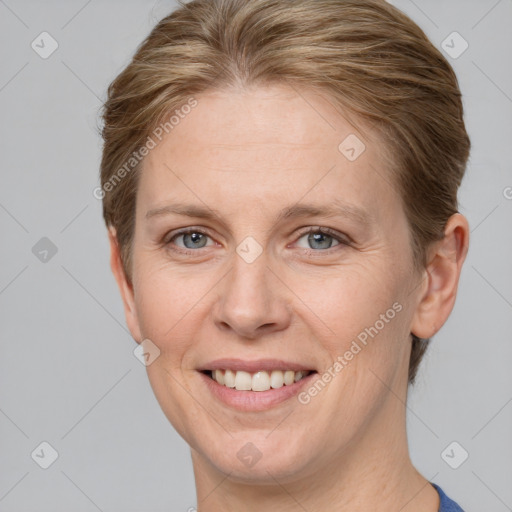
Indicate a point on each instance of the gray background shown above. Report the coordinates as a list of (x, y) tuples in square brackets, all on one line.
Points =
[(67, 372)]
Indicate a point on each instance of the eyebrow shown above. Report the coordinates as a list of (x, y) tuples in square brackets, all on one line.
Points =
[(337, 208)]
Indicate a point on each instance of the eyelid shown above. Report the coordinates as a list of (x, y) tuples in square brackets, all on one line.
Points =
[(185, 231), (340, 237)]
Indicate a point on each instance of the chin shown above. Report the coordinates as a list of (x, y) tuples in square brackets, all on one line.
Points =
[(261, 460)]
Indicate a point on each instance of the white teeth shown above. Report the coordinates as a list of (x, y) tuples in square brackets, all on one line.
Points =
[(243, 381), (276, 379), (259, 381), (229, 378), (219, 376), (289, 377)]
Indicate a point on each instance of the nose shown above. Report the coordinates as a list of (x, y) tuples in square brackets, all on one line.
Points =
[(253, 300)]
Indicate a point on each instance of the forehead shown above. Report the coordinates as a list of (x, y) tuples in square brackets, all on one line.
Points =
[(276, 143)]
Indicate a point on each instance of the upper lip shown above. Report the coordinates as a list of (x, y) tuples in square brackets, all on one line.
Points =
[(254, 366)]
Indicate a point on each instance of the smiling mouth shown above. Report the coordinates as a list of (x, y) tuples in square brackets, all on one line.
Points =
[(257, 381)]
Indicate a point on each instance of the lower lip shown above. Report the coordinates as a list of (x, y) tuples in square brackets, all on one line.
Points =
[(251, 401)]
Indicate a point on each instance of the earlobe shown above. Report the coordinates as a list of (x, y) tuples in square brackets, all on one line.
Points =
[(125, 288), (437, 297)]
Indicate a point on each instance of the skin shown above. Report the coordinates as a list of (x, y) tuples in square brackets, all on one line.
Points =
[(248, 154)]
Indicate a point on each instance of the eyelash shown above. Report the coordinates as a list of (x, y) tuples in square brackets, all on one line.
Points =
[(342, 241)]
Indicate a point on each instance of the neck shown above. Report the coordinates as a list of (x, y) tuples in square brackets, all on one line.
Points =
[(373, 473)]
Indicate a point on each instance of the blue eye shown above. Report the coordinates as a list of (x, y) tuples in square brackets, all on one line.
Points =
[(192, 239), (321, 239), (318, 239)]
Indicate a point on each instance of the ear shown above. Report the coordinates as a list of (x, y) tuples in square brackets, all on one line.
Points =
[(441, 278), (125, 287)]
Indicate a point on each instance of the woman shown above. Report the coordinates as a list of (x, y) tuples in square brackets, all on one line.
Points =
[(279, 181)]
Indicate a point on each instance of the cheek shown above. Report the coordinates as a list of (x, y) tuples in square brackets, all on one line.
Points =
[(360, 319), (346, 300), (165, 306)]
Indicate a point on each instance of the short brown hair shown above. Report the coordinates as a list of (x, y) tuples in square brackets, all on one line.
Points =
[(367, 56)]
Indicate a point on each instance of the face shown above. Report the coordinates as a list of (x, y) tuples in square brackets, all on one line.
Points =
[(262, 247)]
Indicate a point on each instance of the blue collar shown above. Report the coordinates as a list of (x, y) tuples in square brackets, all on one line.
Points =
[(446, 504)]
